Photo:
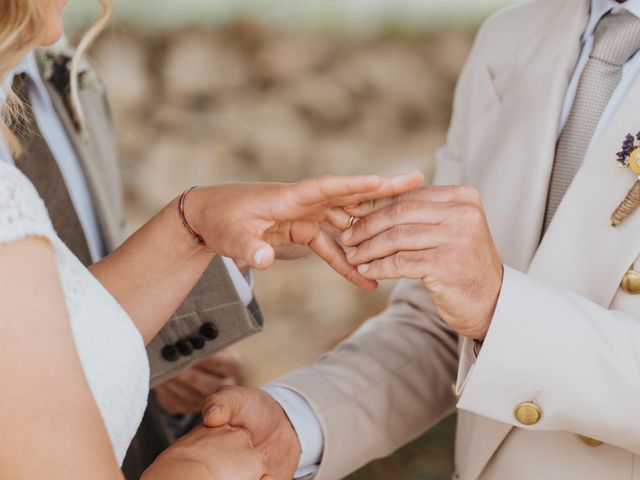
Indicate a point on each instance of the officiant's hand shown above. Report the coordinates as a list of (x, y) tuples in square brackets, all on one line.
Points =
[(439, 235), (210, 454), (258, 413), (246, 221)]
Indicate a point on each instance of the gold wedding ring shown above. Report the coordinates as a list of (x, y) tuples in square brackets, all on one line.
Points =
[(350, 224)]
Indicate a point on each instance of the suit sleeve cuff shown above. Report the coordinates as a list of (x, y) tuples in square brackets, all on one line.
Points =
[(306, 425), (242, 284), (506, 373)]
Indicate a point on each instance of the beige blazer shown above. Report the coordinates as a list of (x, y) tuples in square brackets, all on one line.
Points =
[(565, 336), (213, 307)]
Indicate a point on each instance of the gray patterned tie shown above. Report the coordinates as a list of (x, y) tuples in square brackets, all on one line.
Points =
[(616, 40)]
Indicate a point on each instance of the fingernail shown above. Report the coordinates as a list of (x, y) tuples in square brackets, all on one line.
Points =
[(213, 411), (260, 256), (350, 251), (347, 234), (364, 268)]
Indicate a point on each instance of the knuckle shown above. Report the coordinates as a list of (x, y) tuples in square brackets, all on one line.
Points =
[(406, 231), (396, 210), (361, 226), (398, 261)]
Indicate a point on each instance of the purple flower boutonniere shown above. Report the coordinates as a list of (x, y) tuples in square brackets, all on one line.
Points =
[(629, 157)]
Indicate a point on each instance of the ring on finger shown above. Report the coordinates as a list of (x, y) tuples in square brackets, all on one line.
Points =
[(352, 219)]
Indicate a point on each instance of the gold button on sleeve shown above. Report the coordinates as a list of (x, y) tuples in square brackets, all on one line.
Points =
[(592, 442), (528, 413), (631, 282)]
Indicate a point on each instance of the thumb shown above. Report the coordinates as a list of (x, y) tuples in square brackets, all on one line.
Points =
[(222, 408), (257, 253), (268, 477)]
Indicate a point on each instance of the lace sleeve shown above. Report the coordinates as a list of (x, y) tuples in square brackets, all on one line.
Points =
[(22, 211)]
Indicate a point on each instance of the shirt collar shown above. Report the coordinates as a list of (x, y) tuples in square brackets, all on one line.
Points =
[(28, 65), (601, 7)]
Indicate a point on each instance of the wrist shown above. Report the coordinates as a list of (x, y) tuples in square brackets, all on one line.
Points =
[(484, 326), (193, 217), (182, 240)]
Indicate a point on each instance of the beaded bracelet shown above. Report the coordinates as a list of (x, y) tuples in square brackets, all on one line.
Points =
[(197, 238)]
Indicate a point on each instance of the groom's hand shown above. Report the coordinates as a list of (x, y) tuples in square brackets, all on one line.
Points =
[(439, 235), (259, 414)]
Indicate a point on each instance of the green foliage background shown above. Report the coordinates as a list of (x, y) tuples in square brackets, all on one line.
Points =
[(325, 14)]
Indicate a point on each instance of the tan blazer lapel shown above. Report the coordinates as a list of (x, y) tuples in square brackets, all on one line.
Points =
[(581, 252), (97, 154), (524, 121)]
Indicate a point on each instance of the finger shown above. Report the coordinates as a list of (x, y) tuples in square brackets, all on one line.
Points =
[(291, 252), (391, 187), (243, 244), (449, 193), (224, 364), (371, 206), (176, 399), (406, 212), (338, 219), (413, 265), (333, 231), (200, 383), (396, 239), (329, 250), (222, 407), (438, 194), (319, 190)]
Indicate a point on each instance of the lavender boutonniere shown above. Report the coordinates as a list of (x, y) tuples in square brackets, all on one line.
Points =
[(629, 157)]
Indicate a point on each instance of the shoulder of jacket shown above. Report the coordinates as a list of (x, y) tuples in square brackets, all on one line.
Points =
[(505, 32)]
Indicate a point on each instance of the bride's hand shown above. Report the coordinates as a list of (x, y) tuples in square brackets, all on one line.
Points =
[(246, 221), (210, 454)]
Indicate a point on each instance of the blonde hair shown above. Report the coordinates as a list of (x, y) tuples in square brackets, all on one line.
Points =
[(85, 43), (20, 23)]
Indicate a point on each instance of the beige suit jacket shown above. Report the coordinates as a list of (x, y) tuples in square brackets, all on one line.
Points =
[(565, 336), (214, 299)]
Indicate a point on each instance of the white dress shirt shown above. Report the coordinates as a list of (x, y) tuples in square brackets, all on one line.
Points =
[(62, 150), (297, 408)]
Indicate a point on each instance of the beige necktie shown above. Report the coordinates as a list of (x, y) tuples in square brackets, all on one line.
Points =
[(617, 39), (39, 165)]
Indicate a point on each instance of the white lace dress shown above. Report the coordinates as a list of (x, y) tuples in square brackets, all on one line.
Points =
[(110, 347)]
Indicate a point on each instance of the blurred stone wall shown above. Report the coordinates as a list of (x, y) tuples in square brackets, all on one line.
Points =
[(250, 104), (247, 103)]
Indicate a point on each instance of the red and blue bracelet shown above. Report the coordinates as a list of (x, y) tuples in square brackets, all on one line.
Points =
[(197, 238)]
